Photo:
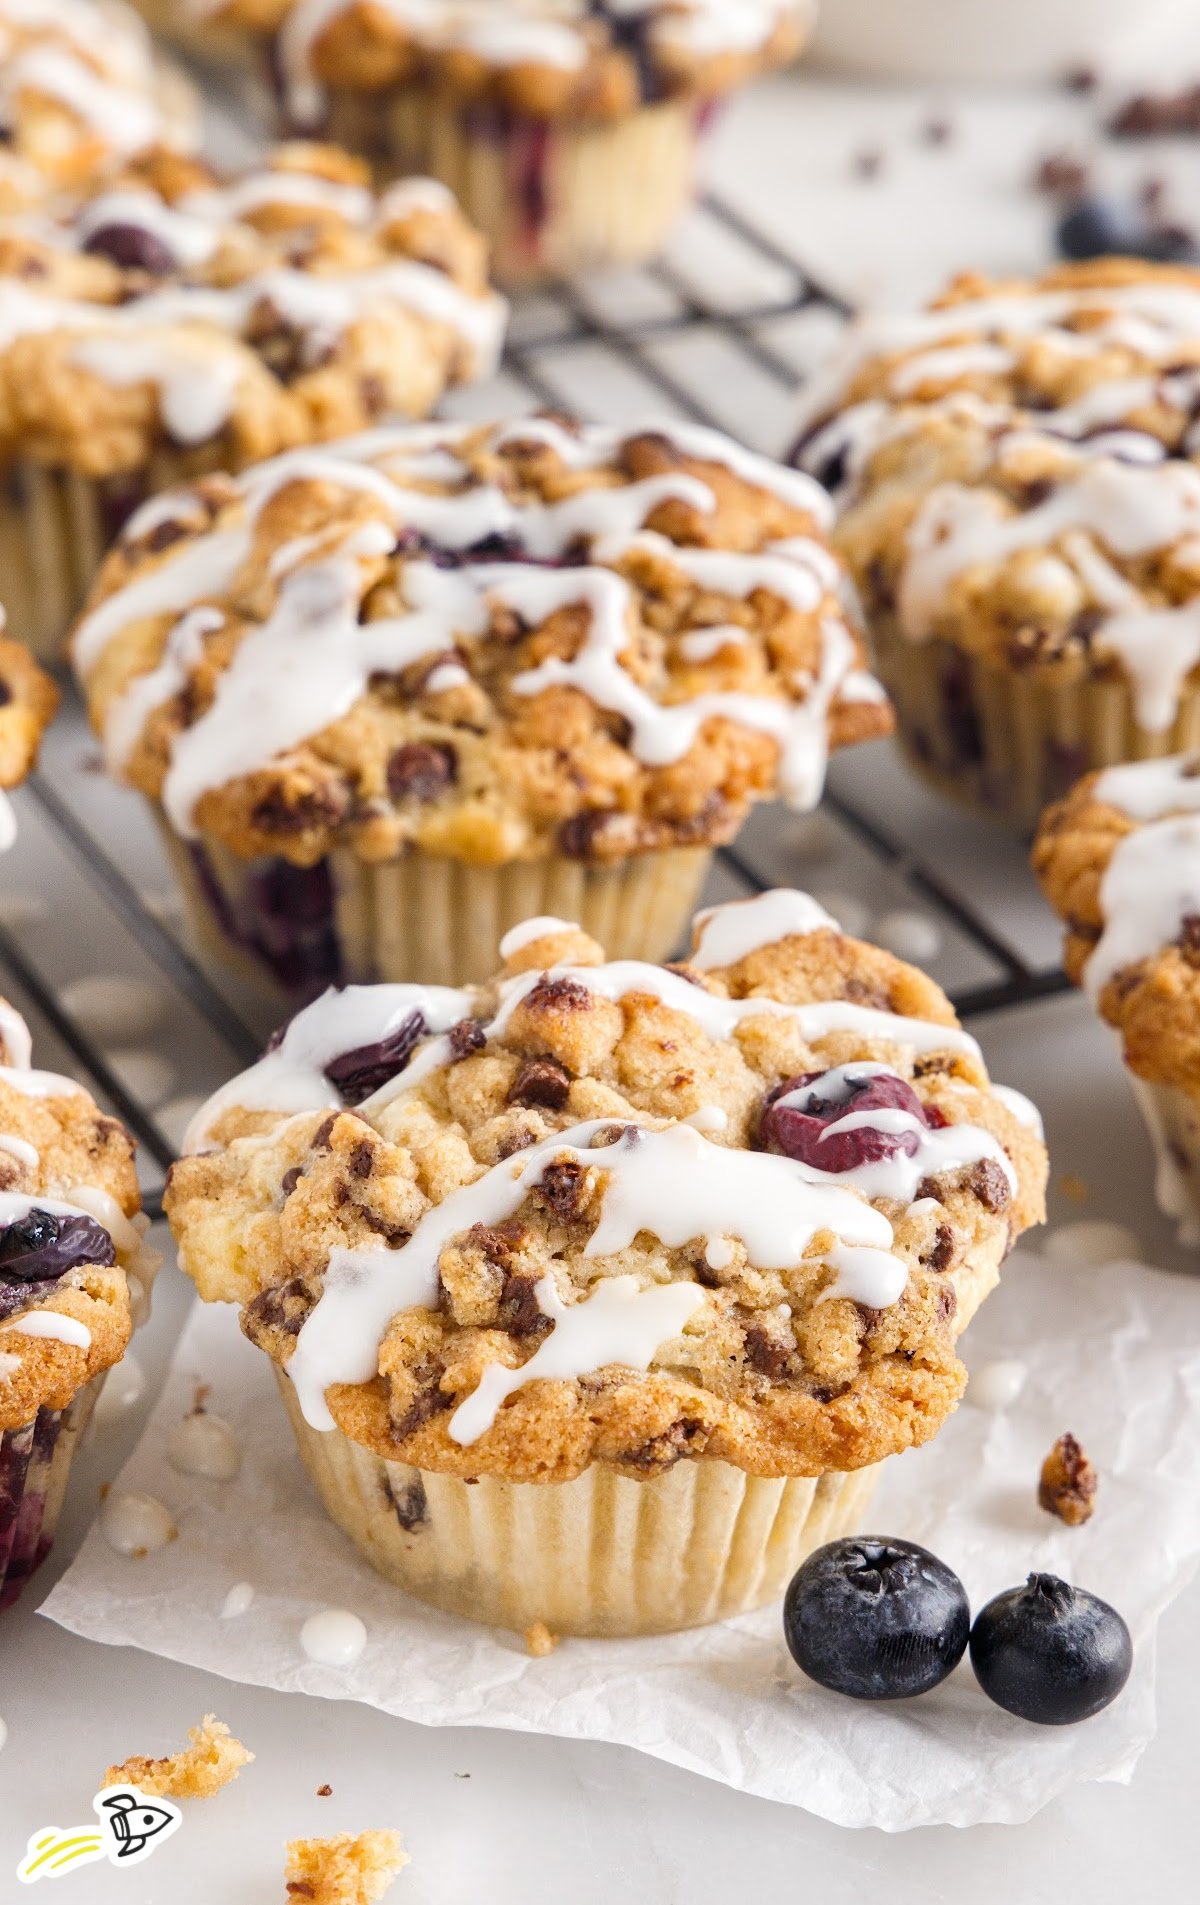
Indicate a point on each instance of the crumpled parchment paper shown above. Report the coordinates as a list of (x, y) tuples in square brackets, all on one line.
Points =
[(1111, 1354)]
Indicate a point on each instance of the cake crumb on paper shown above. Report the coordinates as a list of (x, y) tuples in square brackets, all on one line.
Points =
[(1074, 1188), (325, 1792), (347, 1870), (539, 1641), (1068, 1483), (211, 1761)]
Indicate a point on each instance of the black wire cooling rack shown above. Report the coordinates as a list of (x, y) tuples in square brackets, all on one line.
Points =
[(720, 331)]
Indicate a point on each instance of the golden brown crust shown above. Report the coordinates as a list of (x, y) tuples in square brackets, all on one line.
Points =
[(1154, 1004), (533, 58), (773, 1373), (229, 320), (450, 752), (52, 59), (212, 1759), (346, 1870), (28, 702), (83, 1158)]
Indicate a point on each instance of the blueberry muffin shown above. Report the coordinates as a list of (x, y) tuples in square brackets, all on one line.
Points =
[(1018, 505), (392, 698), (1119, 861), (75, 1275), (81, 94), (173, 323), (597, 1293), (28, 702), (568, 128)]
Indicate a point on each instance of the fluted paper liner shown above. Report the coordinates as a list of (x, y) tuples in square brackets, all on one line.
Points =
[(423, 918), (603, 1555), (35, 1463), (1006, 743)]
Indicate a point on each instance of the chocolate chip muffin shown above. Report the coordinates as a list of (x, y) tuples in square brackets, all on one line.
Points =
[(173, 323), (1119, 861), (597, 1293), (81, 94), (567, 127), (75, 1275), (28, 702), (394, 697), (1018, 504)]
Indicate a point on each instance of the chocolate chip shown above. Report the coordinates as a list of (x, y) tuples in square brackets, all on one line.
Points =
[(519, 1311), (499, 1242), (287, 812), (578, 837), (766, 1353), (990, 1185), (163, 535), (429, 1401), (284, 1306), (542, 1082), (468, 1036), (558, 995), (663, 1451), (411, 1505), (358, 1073), (421, 770), (362, 1160), (942, 1250), (323, 1132), (564, 1189), (290, 1179)]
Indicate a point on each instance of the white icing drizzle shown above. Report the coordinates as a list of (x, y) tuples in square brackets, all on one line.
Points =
[(291, 1079), (35, 1084), (16, 1041), (671, 1182), (8, 822), (897, 1176), (619, 1323), (1022, 1108), (1150, 886), (1133, 510), (866, 1275), (544, 926), (728, 934), (125, 117), (720, 1018), (310, 660), (19, 1148), (1150, 790), (51, 1326)]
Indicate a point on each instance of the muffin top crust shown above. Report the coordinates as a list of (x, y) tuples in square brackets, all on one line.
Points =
[(75, 1271), (590, 60), (81, 93), (231, 320), (493, 643), (738, 1208), (1119, 860)]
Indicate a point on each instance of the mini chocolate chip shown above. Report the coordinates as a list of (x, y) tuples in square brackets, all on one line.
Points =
[(766, 1353), (284, 1306), (323, 1132), (518, 1310), (563, 1189), (578, 837), (163, 535), (468, 1036), (131, 247), (290, 1179), (362, 1160), (428, 1402), (990, 1185), (542, 1082), (358, 1073), (499, 1242), (942, 1250), (663, 1451), (280, 812), (411, 1505), (558, 995), (421, 771)]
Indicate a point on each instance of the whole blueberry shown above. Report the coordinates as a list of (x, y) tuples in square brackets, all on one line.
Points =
[(1094, 228), (875, 1618), (132, 247), (1050, 1653)]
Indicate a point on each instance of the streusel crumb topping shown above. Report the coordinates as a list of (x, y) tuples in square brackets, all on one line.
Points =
[(1119, 861), (493, 643), (739, 1208), (233, 319), (81, 93), (74, 1266)]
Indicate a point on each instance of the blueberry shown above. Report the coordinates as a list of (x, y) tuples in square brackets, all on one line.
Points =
[(1097, 227), (132, 247), (876, 1619), (40, 1247), (1050, 1653)]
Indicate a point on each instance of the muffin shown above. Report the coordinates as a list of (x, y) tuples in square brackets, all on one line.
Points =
[(172, 324), (1119, 860), (1018, 508), (75, 1274), (28, 702), (395, 697), (569, 131), (597, 1294), (83, 94)]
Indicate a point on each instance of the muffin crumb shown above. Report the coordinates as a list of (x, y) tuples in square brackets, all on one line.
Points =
[(539, 1641), (347, 1870), (212, 1760), (1068, 1483)]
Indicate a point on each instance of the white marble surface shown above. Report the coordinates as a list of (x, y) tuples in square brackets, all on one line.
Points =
[(512, 1818)]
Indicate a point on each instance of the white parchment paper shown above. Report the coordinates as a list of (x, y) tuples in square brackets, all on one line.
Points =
[(1112, 1355)]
